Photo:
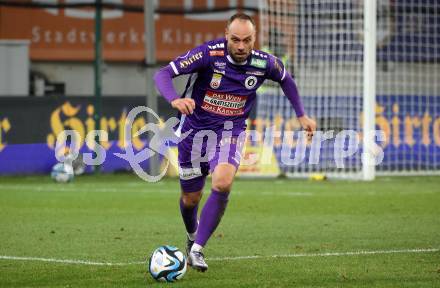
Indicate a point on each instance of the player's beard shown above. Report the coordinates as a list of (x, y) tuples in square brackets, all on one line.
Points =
[(240, 57)]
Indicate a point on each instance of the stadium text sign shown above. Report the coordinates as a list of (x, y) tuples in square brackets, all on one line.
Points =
[(68, 34)]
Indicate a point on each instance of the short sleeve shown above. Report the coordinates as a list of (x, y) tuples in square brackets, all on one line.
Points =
[(276, 69), (194, 60)]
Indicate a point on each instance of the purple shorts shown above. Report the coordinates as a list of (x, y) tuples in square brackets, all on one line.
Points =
[(202, 151)]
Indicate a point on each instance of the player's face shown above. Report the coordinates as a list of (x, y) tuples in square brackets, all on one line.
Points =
[(241, 38)]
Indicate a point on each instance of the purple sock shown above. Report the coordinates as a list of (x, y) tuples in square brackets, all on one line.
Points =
[(189, 215), (211, 215)]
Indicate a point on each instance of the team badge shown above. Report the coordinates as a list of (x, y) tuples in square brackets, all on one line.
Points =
[(250, 82), (215, 81)]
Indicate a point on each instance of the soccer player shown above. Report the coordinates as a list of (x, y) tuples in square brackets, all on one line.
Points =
[(219, 95)]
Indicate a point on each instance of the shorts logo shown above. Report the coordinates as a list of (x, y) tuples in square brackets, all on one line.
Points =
[(189, 173), (259, 63), (250, 82), (215, 81), (223, 103), (217, 53)]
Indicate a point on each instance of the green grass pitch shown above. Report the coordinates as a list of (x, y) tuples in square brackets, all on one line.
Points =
[(312, 226)]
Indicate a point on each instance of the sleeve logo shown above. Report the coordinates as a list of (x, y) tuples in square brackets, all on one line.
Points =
[(191, 59), (278, 66)]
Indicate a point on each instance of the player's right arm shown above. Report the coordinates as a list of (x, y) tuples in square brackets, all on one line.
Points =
[(192, 61)]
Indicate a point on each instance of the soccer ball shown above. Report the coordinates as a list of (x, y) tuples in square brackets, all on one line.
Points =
[(167, 264), (62, 172)]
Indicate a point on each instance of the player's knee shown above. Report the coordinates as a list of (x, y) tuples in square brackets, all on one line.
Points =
[(223, 184), (191, 199), (223, 177)]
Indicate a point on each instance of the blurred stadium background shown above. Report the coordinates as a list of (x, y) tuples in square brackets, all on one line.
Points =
[(53, 76), (358, 64)]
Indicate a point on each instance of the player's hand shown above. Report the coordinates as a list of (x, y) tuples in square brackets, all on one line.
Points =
[(184, 105), (309, 125)]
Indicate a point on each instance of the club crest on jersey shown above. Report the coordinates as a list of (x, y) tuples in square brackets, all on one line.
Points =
[(250, 82), (259, 63), (215, 81)]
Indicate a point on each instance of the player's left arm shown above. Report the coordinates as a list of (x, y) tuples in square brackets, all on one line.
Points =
[(278, 73), (291, 91)]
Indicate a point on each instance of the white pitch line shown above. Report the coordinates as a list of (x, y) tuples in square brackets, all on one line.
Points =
[(61, 187), (329, 254), (66, 261), (287, 194)]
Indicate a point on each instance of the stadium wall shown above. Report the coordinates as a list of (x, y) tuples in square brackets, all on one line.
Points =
[(62, 40), (118, 79), (29, 128)]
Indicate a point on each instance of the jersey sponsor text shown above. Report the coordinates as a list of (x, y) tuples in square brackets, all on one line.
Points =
[(224, 104)]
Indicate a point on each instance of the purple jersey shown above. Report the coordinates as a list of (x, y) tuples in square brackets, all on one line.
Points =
[(223, 89), (224, 92)]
